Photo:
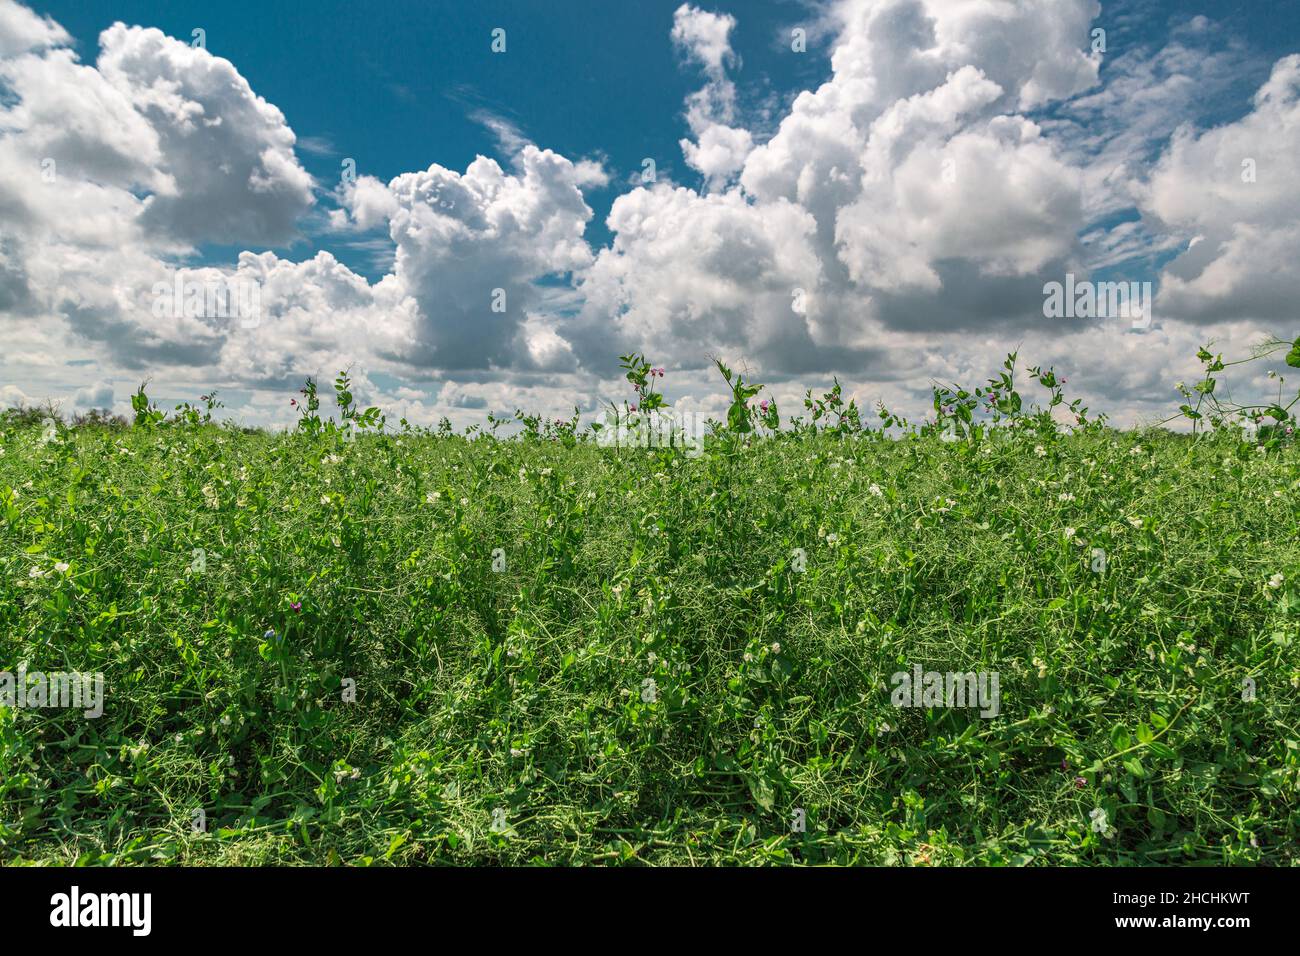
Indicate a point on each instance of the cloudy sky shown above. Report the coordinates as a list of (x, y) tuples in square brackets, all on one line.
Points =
[(478, 207)]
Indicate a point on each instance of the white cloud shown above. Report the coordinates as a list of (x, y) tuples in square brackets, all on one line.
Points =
[(719, 149), (94, 396), (22, 30), (895, 227), (470, 248), (201, 108), (1232, 189)]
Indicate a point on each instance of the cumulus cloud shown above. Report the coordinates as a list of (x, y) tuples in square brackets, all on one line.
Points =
[(107, 171), (719, 149), (689, 273), (896, 225), (22, 30), (899, 189), (1230, 193), (94, 396), (200, 108), (471, 248)]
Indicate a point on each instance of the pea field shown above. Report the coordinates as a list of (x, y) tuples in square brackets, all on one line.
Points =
[(366, 643)]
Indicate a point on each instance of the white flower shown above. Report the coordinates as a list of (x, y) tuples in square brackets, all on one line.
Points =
[(516, 752), (61, 567), (1042, 667), (875, 490), (1068, 533), (1065, 496), (832, 539), (1100, 824), (776, 647), (432, 497), (35, 573), (1275, 581), (1135, 522), (1040, 451)]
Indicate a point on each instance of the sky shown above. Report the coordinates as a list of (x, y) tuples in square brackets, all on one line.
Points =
[(479, 207)]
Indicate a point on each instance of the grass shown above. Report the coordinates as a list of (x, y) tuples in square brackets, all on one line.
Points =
[(421, 648)]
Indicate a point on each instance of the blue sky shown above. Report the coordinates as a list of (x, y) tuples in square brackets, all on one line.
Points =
[(1064, 159), (406, 86), (400, 86)]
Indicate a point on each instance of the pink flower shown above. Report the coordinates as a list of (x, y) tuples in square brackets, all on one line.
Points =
[(296, 605), (633, 408), (293, 401), (763, 406)]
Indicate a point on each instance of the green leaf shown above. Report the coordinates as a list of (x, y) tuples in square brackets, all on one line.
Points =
[(1293, 357), (761, 790), (1161, 750), (1134, 766), (1120, 738)]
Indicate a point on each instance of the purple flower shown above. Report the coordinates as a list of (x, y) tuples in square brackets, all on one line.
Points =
[(296, 605), (1080, 782)]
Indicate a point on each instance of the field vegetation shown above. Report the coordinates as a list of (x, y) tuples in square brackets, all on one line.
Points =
[(362, 642)]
